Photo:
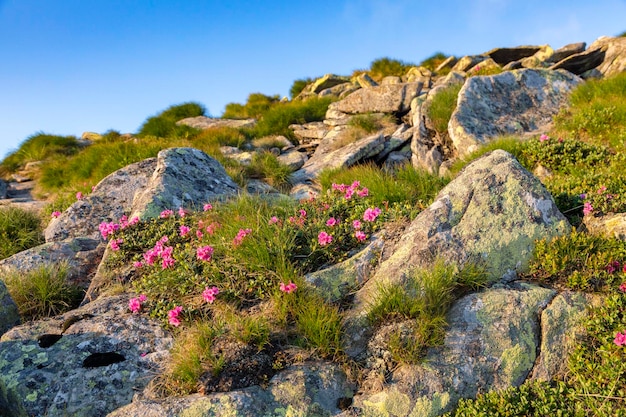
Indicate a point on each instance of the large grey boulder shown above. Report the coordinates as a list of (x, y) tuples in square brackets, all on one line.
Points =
[(582, 62), (87, 362), (204, 122), (81, 255), (9, 315), (310, 389), (388, 98), (183, 177), (490, 344), (110, 199), (515, 102), (614, 55), (492, 212), (346, 156)]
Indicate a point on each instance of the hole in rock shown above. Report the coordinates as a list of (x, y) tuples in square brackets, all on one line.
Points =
[(102, 359), (47, 340)]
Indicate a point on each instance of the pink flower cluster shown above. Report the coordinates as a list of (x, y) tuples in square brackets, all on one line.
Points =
[(371, 214), (620, 339), (288, 288), (160, 251), (134, 304), (209, 294), (324, 238), (614, 266), (273, 220), (166, 213), (204, 253), (115, 244), (241, 235), (349, 190), (332, 222), (544, 138), (173, 314), (107, 229), (587, 208), (56, 214), (184, 230), (207, 207)]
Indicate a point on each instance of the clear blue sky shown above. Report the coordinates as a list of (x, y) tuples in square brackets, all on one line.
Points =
[(68, 66)]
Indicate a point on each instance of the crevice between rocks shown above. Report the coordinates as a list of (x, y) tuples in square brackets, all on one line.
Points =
[(531, 371)]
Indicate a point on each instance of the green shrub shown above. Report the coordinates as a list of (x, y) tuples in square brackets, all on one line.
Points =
[(43, 292), (433, 61), (277, 119), (39, 147), (579, 261), (383, 67), (298, 86), (442, 106), (257, 105), (266, 166), (19, 230), (163, 125)]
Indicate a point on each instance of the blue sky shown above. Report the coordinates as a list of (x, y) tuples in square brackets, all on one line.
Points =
[(69, 66)]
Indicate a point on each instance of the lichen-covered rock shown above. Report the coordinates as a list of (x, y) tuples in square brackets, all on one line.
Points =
[(609, 225), (310, 389), (468, 62), (109, 201), (293, 159), (346, 156), (389, 98), (327, 81), (492, 212), (560, 330), (87, 362), (428, 146), (82, 256), (203, 122), (490, 344), (514, 102), (335, 282), (9, 315), (183, 177)]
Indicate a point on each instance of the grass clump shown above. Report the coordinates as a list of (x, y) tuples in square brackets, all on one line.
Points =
[(425, 300), (597, 112), (277, 119), (256, 106), (384, 67), (578, 261), (433, 61), (19, 230), (38, 147), (43, 292), (266, 166), (298, 85), (442, 106), (164, 125)]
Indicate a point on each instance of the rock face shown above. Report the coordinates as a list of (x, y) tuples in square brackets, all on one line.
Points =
[(9, 316), (490, 344), (503, 56), (183, 177), (388, 98), (87, 362), (492, 212), (609, 225), (303, 390), (109, 201), (82, 256), (514, 102), (614, 56), (203, 122)]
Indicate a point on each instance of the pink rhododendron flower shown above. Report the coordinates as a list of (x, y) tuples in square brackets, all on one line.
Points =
[(166, 213), (360, 235), (612, 267), (356, 224), (56, 214), (302, 212), (240, 235), (182, 212), (544, 138), (273, 220), (199, 234), (210, 229), (324, 238), (364, 192), (288, 288), (339, 187), (371, 214), (204, 253), (173, 314), (107, 229), (134, 304), (587, 208), (207, 207), (79, 195), (348, 194), (209, 294), (331, 222), (115, 243), (622, 286), (601, 189), (620, 339), (138, 264), (184, 230)]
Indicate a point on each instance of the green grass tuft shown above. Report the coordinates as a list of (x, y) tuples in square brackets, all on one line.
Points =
[(442, 106), (38, 147), (19, 230)]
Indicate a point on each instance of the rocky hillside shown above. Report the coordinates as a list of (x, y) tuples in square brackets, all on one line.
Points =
[(144, 299)]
